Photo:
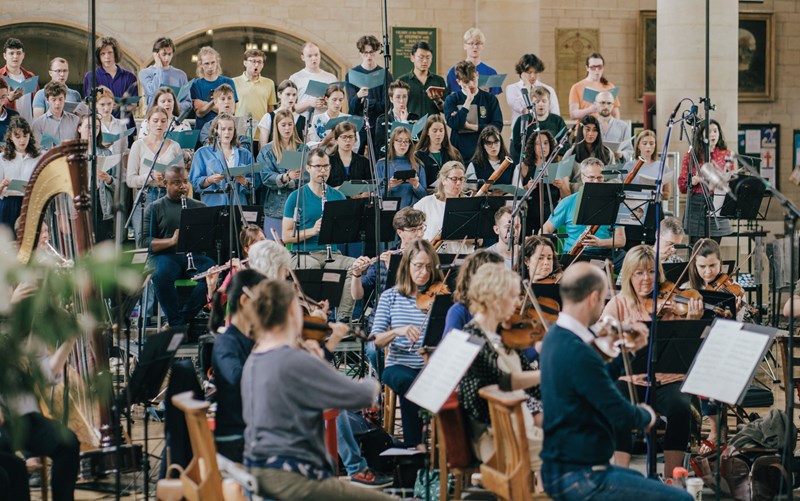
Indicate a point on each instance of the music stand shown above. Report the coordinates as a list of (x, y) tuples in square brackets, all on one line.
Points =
[(724, 300), (471, 217), (673, 271), (598, 203), (435, 330), (320, 285), (749, 192), (394, 264), (207, 229), (676, 347), (353, 220), (551, 291)]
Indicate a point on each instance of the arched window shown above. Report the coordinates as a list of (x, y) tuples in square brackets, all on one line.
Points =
[(43, 41), (282, 50)]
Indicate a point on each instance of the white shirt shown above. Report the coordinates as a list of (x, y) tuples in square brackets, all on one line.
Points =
[(517, 103), (571, 324), (21, 167), (434, 218), (302, 77)]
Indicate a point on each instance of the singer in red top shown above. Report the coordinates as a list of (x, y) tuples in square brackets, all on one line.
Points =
[(696, 214)]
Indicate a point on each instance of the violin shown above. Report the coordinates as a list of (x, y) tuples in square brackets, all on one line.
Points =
[(425, 299), (527, 327), (315, 328), (677, 300), (724, 283), (552, 278)]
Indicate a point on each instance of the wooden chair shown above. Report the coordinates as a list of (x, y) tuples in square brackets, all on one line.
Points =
[(202, 479), (508, 473), (44, 481), (389, 409), (455, 453)]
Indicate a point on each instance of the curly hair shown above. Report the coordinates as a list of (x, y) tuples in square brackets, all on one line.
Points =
[(22, 125)]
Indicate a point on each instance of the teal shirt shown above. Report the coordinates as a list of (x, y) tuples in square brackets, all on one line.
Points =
[(564, 215), (310, 211)]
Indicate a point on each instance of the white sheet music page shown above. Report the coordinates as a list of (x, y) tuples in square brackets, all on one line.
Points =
[(444, 371), (725, 363)]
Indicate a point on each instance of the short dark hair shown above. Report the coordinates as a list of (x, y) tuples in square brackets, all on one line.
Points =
[(255, 53), (13, 43), (408, 217), (398, 84), (527, 62), (106, 42), (175, 169), (55, 89), (465, 71), (368, 40), (163, 43), (316, 152), (576, 289), (420, 45)]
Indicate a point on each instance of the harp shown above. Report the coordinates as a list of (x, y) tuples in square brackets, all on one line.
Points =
[(57, 197)]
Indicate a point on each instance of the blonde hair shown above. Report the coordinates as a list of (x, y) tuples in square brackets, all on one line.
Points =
[(445, 171), (490, 286), (645, 133), (641, 256), (269, 258), (474, 34), (205, 51), (294, 141)]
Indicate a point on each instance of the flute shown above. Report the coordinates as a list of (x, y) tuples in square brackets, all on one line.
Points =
[(215, 269)]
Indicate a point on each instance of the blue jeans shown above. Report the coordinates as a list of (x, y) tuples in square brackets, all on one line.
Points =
[(348, 447), (606, 482), (399, 379), (168, 269)]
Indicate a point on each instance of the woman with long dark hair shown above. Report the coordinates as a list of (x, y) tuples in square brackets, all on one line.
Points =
[(588, 143), (489, 154)]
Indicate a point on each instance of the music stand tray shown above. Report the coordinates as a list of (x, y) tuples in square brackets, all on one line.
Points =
[(598, 203), (320, 285), (353, 220), (435, 330), (471, 217), (154, 362), (676, 346)]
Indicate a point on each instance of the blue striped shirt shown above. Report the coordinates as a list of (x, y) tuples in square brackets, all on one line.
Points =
[(394, 311)]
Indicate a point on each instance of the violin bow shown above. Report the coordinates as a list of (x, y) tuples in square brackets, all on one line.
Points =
[(535, 302), (675, 284), (626, 362)]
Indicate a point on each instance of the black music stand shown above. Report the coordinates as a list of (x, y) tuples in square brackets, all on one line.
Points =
[(435, 330), (320, 285), (673, 271), (676, 346), (353, 220), (207, 229), (749, 192), (471, 217), (724, 300), (551, 291)]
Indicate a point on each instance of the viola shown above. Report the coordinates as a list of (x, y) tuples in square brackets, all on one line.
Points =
[(677, 301), (724, 283), (527, 326), (315, 328), (552, 278), (425, 299)]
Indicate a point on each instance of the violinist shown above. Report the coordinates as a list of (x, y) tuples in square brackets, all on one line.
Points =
[(458, 315), (285, 391), (583, 406), (601, 244), (400, 324), (631, 305), (502, 228), (450, 184), (543, 264), (493, 297)]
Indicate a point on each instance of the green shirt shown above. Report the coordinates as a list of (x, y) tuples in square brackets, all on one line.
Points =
[(418, 101)]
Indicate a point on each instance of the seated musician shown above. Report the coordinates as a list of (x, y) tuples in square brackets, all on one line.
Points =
[(631, 305), (284, 442), (584, 408), (494, 294), (161, 228), (601, 244), (248, 237), (502, 228), (543, 263), (671, 235), (459, 314), (489, 155), (399, 324), (27, 428), (309, 208), (449, 185)]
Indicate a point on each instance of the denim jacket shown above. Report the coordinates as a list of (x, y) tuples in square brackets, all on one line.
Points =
[(276, 191)]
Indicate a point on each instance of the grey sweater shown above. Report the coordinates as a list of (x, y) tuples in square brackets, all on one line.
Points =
[(284, 392)]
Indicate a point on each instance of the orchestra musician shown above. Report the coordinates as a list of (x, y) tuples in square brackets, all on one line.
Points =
[(162, 220), (459, 314), (309, 208), (284, 437), (450, 184), (601, 244), (249, 236), (543, 261), (584, 408), (672, 234), (400, 324), (638, 273), (502, 228), (493, 295)]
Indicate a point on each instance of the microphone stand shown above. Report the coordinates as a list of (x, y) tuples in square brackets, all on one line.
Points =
[(377, 199), (234, 202), (253, 153), (300, 186)]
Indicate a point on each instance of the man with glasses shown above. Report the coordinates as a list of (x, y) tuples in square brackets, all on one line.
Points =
[(601, 244), (309, 209), (59, 72), (162, 73), (370, 49), (474, 42), (613, 130), (256, 93), (399, 112), (422, 100)]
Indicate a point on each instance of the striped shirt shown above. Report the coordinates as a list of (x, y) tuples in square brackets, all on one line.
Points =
[(394, 311)]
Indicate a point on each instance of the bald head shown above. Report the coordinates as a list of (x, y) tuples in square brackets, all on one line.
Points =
[(580, 280), (605, 103)]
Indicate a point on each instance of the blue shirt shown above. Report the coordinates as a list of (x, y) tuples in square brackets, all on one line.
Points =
[(405, 192), (206, 162), (39, 101), (455, 114), (310, 209), (202, 89), (457, 317), (564, 215), (483, 69), (375, 96), (227, 358), (396, 310), (153, 78)]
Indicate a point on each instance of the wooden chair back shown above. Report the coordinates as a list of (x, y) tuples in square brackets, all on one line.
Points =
[(508, 473)]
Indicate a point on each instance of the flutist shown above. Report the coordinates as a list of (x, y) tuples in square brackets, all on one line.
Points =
[(162, 220)]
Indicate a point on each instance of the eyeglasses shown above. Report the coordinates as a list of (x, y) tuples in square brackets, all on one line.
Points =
[(473, 44), (420, 266), (415, 229), (369, 52), (347, 138), (456, 180), (320, 166), (596, 67), (491, 143), (593, 178), (255, 61), (425, 58), (402, 141)]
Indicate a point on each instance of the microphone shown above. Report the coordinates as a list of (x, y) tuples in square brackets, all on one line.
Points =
[(309, 114), (675, 111), (526, 98), (716, 179), (179, 120), (448, 266)]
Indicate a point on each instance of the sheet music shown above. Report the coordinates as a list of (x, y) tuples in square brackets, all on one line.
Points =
[(724, 365), (444, 371)]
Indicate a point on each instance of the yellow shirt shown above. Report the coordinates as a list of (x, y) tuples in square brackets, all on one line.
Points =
[(254, 96)]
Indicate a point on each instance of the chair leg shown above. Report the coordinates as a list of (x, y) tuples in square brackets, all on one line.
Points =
[(45, 480)]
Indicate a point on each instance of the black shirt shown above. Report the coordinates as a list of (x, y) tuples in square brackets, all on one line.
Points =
[(161, 219), (358, 169)]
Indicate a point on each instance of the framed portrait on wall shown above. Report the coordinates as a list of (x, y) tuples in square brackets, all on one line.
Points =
[(646, 54)]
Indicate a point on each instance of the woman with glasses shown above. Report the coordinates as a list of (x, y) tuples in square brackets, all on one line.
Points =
[(406, 178), (449, 185), (346, 164), (579, 107), (434, 148), (399, 325), (489, 154), (318, 133)]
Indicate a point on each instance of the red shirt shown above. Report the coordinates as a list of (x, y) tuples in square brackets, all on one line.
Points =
[(718, 158), (25, 73)]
